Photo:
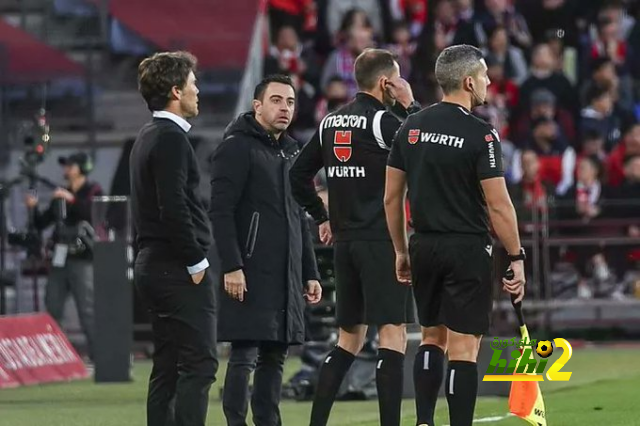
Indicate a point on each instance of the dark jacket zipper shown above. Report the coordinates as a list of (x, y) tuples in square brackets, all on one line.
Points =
[(252, 236)]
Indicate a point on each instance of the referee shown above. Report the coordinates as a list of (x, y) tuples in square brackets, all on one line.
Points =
[(451, 163), (353, 145)]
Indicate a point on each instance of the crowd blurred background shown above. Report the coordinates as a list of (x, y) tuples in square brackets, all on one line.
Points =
[(565, 97)]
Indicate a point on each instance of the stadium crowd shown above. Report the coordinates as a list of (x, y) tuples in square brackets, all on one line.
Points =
[(564, 93)]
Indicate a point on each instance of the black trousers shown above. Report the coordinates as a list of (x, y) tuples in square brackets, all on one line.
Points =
[(184, 361), (267, 359)]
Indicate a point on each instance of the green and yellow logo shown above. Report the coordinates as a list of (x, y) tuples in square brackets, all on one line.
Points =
[(522, 365)]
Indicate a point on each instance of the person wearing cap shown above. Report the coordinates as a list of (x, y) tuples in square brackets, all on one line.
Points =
[(72, 263)]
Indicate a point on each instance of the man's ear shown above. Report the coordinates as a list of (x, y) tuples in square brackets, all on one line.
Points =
[(382, 82), (257, 106), (176, 93)]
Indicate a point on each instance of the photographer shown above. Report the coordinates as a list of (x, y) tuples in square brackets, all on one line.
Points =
[(72, 267)]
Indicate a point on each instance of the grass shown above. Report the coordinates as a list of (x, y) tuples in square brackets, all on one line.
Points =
[(602, 390)]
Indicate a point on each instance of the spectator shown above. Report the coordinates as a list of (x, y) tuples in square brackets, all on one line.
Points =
[(584, 201), (544, 75), (335, 95), (614, 11), (500, 12), (531, 192), (543, 104), (293, 13), (511, 57), (288, 57), (586, 195), (609, 42), (358, 13), (445, 24), (557, 15), (603, 73), (469, 31), (598, 115), (566, 55), (630, 146), (340, 62), (403, 47), (592, 145), (628, 194), (413, 12), (501, 87), (557, 158), (500, 93)]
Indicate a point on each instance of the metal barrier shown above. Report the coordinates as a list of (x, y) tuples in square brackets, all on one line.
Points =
[(559, 242)]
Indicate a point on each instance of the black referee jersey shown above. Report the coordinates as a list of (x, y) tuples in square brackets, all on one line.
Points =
[(352, 144), (446, 151)]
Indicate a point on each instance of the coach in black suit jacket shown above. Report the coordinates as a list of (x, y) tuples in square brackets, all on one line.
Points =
[(173, 237)]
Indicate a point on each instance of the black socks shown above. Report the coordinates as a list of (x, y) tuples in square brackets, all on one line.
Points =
[(332, 372), (461, 389), (428, 372), (389, 380)]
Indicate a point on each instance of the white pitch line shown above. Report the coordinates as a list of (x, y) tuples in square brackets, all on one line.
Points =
[(490, 419)]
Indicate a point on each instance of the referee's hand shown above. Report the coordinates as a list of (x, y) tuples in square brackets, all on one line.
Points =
[(235, 284), (403, 268), (516, 285)]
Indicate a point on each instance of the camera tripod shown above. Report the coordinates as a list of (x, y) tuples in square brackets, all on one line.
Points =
[(34, 240)]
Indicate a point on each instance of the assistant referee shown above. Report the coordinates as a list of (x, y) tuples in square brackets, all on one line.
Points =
[(451, 163)]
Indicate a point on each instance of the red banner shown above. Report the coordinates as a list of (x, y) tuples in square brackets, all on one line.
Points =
[(34, 350)]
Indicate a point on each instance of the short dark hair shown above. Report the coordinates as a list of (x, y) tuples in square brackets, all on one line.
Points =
[(158, 74), (600, 62), (258, 93), (597, 91), (454, 64), (371, 64)]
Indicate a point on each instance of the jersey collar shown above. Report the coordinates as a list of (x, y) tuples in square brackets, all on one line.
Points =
[(369, 98), (459, 107)]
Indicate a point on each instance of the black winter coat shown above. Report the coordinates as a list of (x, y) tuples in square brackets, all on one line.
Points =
[(259, 228)]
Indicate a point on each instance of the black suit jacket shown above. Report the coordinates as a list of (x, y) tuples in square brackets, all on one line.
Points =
[(170, 220)]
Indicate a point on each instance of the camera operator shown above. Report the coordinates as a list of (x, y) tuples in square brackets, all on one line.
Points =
[(72, 267)]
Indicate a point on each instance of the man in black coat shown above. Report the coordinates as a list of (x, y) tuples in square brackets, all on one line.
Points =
[(173, 236), (265, 249)]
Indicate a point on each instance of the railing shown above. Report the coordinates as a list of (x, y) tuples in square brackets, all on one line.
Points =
[(578, 265)]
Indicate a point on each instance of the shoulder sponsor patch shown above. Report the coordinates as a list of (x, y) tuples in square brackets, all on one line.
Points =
[(488, 138)]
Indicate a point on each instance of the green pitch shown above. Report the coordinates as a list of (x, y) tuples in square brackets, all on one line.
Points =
[(602, 391)]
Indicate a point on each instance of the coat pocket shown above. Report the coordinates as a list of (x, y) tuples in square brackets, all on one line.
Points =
[(252, 236)]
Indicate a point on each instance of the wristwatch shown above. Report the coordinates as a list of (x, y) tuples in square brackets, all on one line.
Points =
[(515, 257)]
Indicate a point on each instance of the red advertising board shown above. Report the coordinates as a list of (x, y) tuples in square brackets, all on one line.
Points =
[(34, 350)]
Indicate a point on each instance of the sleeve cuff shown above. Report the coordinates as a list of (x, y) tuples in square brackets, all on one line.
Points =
[(199, 267)]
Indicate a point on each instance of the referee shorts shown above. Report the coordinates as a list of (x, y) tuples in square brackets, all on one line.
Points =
[(367, 291), (452, 280)]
